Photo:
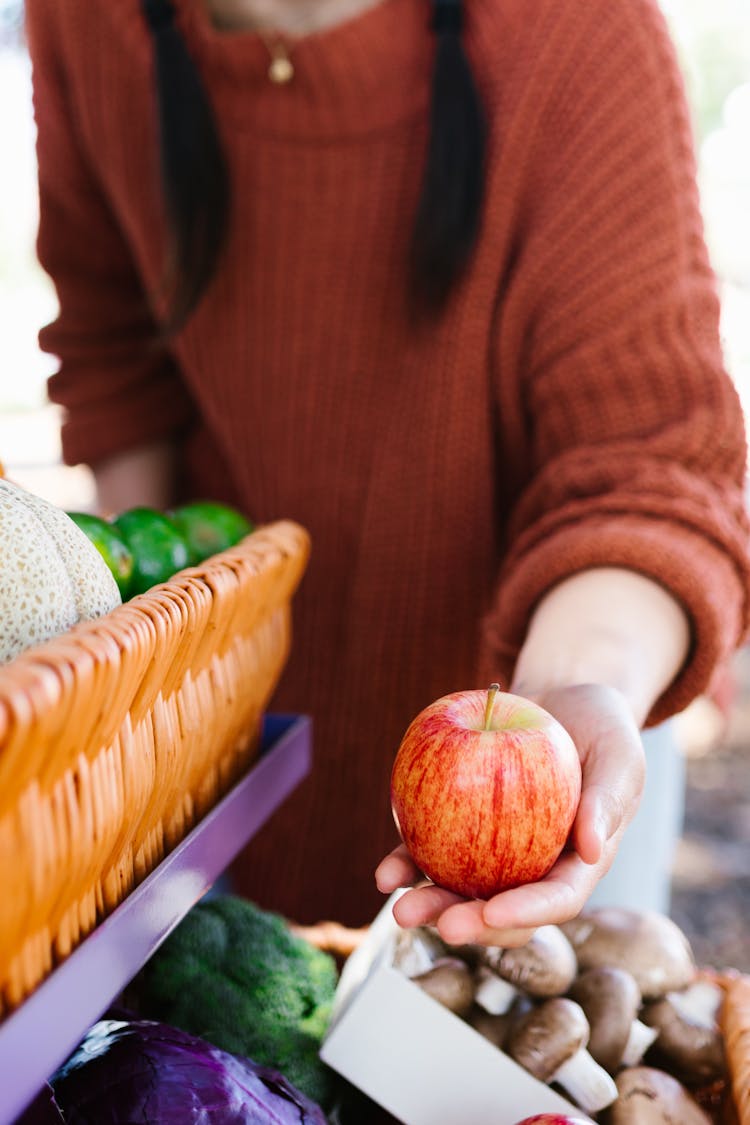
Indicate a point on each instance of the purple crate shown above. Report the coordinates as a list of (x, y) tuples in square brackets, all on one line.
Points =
[(39, 1036)]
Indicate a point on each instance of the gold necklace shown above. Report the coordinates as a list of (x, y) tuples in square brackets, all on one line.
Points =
[(232, 15), (280, 68)]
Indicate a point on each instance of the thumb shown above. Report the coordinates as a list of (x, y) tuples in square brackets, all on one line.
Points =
[(601, 815)]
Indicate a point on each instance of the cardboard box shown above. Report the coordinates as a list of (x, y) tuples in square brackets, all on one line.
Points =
[(414, 1057)]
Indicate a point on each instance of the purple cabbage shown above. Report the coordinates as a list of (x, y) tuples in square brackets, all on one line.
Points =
[(44, 1110), (140, 1072)]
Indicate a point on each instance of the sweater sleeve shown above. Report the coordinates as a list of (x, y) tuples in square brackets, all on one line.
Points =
[(633, 450), (117, 387)]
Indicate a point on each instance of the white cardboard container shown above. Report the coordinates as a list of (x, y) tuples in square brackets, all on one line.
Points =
[(412, 1056)]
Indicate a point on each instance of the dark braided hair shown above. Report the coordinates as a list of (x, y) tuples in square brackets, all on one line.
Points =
[(193, 168), (196, 180), (448, 215)]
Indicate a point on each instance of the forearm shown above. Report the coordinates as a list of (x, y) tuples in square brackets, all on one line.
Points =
[(607, 626), (142, 476)]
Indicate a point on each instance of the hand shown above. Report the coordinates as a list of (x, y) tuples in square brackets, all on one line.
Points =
[(602, 725)]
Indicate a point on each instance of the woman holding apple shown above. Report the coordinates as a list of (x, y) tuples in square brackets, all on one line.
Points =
[(435, 287)]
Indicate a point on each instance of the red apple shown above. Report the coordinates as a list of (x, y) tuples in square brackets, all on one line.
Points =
[(552, 1119), (484, 790)]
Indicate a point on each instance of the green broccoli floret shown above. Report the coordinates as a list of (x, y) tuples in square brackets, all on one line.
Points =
[(237, 976)]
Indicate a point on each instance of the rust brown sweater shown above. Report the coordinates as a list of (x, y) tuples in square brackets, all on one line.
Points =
[(570, 409)]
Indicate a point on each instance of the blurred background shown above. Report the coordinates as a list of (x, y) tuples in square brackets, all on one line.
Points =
[(712, 867)]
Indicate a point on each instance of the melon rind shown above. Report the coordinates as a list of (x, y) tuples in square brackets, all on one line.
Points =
[(51, 574)]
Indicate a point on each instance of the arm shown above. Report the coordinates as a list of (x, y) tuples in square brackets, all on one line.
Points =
[(629, 437), (117, 384), (606, 626), (626, 576), (601, 647), (145, 475)]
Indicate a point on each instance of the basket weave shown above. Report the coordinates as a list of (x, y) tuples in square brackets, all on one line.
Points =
[(118, 736), (735, 1024)]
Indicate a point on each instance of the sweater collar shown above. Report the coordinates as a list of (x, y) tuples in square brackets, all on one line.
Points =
[(363, 75)]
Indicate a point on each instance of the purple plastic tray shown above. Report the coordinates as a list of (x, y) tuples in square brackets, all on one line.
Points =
[(39, 1036)]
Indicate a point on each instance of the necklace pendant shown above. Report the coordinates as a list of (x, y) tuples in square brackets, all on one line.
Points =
[(281, 70)]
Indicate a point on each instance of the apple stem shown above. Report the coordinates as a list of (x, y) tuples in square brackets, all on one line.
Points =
[(492, 692)]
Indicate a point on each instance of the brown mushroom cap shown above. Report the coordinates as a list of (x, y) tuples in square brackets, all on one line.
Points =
[(610, 999), (493, 1028), (690, 1044), (547, 1036), (647, 944), (496, 1027), (544, 966), (550, 1043), (646, 1096), (450, 982)]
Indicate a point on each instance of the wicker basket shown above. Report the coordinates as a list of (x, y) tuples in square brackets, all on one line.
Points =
[(118, 736), (735, 1023)]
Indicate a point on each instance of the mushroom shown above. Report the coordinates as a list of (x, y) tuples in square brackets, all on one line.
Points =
[(646, 1096), (648, 944), (690, 1043), (416, 950), (495, 1027), (611, 999), (493, 993), (450, 982), (545, 966), (550, 1043)]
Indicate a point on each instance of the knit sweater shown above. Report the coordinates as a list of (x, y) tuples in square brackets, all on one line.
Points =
[(569, 409)]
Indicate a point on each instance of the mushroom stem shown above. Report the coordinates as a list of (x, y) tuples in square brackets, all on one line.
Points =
[(416, 951), (700, 1003), (588, 1084), (493, 993), (640, 1039), (492, 692)]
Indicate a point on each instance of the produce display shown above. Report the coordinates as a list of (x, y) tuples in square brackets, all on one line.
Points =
[(484, 790), (140, 1070), (209, 527), (51, 578), (60, 567), (111, 546), (143, 547), (229, 1015), (238, 976), (157, 547), (609, 1008)]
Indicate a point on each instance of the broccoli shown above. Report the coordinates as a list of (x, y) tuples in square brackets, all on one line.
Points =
[(236, 976)]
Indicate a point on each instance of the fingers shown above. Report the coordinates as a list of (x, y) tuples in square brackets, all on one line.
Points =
[(458, 921), (396, 870), (508, 919), (609, 743), (557, 898), (464, 924), (613, 775), (601, 814), (423, 905)]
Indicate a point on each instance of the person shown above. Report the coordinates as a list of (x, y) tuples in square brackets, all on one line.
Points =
[(429, 278)]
